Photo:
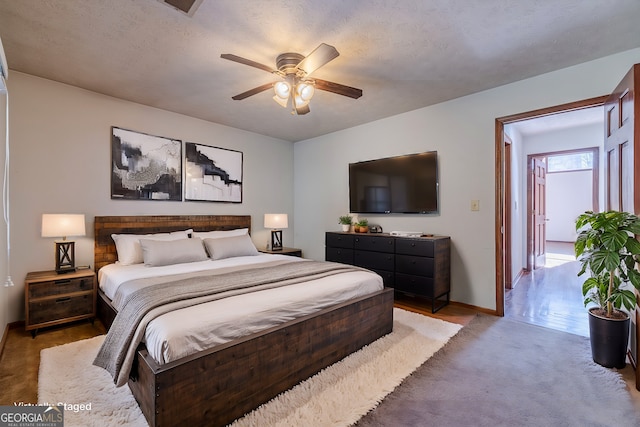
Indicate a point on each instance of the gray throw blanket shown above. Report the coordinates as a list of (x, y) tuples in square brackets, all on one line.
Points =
[(140, 307)]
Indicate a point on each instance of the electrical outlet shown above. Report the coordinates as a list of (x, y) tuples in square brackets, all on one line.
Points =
[(475, 205)]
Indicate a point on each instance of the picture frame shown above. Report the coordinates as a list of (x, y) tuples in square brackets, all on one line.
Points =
[(212, 174), (145, 167)]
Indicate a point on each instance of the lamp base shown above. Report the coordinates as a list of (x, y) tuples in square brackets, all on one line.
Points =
[(276, 240), (65, 257)]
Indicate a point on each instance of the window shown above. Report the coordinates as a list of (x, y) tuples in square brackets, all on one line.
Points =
[(570, 162)]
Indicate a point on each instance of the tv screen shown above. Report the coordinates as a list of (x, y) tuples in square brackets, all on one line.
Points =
[(403, 184)]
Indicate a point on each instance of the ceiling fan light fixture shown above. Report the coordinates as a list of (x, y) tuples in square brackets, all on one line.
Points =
[(305, 91), (282, 90)]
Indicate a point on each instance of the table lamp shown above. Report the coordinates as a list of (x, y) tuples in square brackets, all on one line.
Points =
[(63, 226), (276, 222)]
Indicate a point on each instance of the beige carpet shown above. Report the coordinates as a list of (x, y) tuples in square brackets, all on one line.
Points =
[(337, 396)]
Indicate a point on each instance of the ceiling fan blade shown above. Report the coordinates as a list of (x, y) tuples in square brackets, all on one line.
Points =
[(316, 59), (253, 91), (302, 110), (248, 62), (349, 91)]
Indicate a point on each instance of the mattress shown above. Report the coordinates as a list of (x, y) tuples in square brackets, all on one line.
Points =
[(186, 331)]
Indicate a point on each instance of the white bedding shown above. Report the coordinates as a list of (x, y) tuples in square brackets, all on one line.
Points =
[(183, 332)]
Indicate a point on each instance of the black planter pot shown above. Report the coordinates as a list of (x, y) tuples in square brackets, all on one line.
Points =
[(609, 340)]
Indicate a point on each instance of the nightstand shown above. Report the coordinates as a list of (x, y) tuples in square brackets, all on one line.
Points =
[(52, 299), (285, 251)]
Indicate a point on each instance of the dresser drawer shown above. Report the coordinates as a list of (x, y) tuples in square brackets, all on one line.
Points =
[(418, 285), (420, 266), (337, 240), (420, 247), (61, 286), (374, 260), (50, 309), (375, 243), (342, 255)]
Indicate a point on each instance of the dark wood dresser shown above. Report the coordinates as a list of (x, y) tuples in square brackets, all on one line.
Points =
[(413, 265)]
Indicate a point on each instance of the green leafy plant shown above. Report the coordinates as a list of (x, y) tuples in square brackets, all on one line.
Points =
[(345, 220), (607, 247), (363, 222)]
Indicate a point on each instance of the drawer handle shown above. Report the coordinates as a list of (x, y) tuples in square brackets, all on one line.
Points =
[(413, 245), (62, 282), (64, 299)]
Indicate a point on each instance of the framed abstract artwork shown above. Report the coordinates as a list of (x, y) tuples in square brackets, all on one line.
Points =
[(212, 174), (145, 167)]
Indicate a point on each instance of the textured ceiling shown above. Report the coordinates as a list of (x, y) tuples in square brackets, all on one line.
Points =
[(404, 54)]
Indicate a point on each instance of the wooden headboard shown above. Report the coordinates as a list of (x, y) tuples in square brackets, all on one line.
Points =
[(104, 226)]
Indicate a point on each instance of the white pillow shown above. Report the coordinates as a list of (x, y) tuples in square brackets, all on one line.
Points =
[(167, 252), (219, 234), (228, 247), (128, 245)]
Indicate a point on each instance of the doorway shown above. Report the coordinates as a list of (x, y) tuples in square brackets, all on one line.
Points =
[(501, 260), (560, 186)]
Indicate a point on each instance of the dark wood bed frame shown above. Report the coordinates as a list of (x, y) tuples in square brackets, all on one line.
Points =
[(216, 386)]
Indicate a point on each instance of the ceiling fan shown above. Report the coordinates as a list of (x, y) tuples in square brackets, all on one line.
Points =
[(296, 88)]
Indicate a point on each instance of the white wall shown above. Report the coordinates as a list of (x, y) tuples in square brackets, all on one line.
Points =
[(60, 162), (463, 133), (568, 194)]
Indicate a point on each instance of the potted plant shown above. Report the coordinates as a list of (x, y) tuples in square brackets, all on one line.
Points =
[(607, 247), (362, 226), (345, 221)]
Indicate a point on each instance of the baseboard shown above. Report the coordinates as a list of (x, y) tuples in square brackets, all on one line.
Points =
[(514, 282), (474, 307), (12, 325)]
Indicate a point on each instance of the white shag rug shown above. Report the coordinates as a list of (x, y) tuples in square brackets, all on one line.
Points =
[(337, 396)]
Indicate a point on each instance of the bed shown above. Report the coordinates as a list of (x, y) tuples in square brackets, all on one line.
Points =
[(217, 385)]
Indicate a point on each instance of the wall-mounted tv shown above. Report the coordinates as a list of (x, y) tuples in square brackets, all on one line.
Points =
[(402, 184)]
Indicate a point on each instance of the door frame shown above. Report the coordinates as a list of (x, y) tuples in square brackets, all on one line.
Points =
[(508, 271), (500, 122)]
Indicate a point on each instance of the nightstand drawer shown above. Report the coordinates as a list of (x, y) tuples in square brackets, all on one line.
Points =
[(60, 286), (50, 309)]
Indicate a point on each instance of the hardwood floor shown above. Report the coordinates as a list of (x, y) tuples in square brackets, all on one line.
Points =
[(550, 297), (20, 360)]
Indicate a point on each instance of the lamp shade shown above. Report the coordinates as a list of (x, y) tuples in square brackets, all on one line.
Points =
[(63, 225), (276, 221)]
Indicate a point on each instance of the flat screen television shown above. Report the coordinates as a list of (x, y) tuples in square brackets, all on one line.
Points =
[(402, 184)]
